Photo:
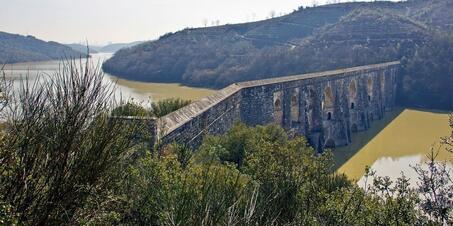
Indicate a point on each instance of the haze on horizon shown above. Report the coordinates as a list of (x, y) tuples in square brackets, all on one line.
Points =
[(104, 21)]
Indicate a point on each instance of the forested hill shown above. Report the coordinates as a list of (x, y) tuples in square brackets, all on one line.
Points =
[(309, 39), (17, 48)]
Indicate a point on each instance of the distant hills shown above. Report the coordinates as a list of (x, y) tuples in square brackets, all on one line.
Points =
[(83, 48), (110, 48), (307, 40), (18, 48)]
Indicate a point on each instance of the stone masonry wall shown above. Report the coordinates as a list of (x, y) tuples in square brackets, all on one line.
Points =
[(326, 107)]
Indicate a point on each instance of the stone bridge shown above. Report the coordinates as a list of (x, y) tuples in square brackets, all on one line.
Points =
[(326, 107)]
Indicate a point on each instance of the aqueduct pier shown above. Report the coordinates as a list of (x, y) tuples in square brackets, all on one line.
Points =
[(326, 107)]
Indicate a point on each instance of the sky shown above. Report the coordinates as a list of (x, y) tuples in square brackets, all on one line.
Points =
[(110, 21)]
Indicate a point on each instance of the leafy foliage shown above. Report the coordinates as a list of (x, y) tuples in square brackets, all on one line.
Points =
[(131, 109), (158, 109), (276, 181), (164, 107), (430, 74)]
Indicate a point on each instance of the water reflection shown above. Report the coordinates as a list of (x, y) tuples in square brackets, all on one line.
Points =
[(403, 138)]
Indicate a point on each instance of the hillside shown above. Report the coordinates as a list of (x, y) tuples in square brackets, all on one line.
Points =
[(309, 39), (111, 48), (17, 48), (83, 48)]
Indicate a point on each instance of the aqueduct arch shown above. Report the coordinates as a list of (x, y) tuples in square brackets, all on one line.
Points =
[(278, 108), (352, 94), (369, 88), (300, 102), (295, 106), (311, 109)]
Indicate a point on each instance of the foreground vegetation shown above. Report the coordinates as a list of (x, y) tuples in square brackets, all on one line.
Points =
[(63, 160), (157, 109)]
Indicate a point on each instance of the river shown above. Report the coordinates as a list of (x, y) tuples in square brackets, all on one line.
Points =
[(403, 138), (125, 89)]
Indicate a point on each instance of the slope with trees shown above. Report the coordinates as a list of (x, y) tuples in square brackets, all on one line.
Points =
[(307, 40), (17, 48)]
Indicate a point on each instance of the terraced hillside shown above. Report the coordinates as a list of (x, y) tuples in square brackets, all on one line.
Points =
[(307, 40)]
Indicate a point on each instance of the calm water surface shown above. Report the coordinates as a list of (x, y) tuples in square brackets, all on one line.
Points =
[(139, 91), (392, 145)]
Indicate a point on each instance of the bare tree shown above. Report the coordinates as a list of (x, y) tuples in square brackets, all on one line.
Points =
[(448, 141), (435, 186), (272, 14), (314, 3)]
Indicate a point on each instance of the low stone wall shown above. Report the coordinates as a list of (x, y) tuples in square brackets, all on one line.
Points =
[(148, 125), (214, 114), (326, 107)]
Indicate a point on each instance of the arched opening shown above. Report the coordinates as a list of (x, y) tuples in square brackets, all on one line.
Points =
[(383, 83), (330, 143), (278, 108), (352, 94), (310, 102), (294, 101), (328, 98), (295, 106), (329, 116), (370, 89), (311, 93), (352, 90), (278, 105), (354, 128)]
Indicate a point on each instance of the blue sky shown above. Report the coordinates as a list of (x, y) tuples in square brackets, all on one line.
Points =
[(103, 21)]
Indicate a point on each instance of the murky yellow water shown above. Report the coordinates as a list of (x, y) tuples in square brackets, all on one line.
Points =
[(159, 91), (392, 145), (125, 89)]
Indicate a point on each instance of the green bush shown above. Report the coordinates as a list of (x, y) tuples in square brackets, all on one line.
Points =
[(257, 176), (131, 109), (166, 106)]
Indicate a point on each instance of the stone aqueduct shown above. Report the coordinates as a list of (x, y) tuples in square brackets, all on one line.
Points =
[(326, 107)]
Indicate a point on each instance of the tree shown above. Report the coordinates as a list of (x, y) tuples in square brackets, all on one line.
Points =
[(272, 14), (131, 109), (429, 74), (59, 147), (448, 141), (164, 107)]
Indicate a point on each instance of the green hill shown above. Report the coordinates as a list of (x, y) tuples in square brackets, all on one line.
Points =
[(17, 48), (309, 39)]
